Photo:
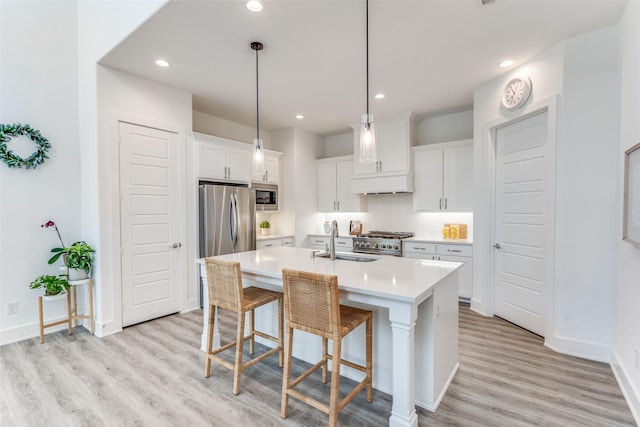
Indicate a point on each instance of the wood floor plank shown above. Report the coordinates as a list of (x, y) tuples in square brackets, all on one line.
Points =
[(152, 374)]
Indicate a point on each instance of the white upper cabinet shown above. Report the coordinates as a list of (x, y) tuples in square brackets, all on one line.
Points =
[(334, 194), (393, 170), (271, 172), (221, 159), (443, 177)]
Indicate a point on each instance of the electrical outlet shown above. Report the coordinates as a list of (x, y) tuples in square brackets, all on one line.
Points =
[(12, 308)]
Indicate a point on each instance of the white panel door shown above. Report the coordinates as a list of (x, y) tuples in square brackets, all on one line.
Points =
[(520, 223), (347, 202), (392, 145), (239, 164), (149, 223)]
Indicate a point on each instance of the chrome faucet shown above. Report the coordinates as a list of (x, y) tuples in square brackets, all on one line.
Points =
[(332, 239)]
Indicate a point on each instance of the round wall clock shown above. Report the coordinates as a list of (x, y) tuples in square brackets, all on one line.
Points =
[(516, 92)]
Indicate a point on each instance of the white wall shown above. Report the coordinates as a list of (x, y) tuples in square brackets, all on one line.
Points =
[(54, 88), (338, 145), (39, 87), (212, 125), (627, 321), (446, 127), (151, 104), (582, 322), (298, 182)]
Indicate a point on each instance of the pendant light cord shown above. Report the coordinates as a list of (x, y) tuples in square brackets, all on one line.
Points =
[(257, 101), (367, 56)]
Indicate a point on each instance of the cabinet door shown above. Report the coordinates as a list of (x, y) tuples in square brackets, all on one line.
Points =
[(393, 146), (271, 243), (458, 179), (326, 187), (347, 202), (271, 171), (239, 164), (465, 288), (211, 161), (316, 242), (428, 173)]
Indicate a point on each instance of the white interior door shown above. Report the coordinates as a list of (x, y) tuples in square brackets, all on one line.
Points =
[(520, 223), (149, 223)]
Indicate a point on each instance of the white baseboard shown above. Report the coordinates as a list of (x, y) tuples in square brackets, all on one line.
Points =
[(631, 395), (30, 330), (583, 349)]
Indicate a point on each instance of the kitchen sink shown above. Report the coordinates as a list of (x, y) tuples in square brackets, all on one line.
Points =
[(348, 257)]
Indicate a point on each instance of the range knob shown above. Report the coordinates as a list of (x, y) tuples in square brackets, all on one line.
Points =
[(395, 247), (375, 245)]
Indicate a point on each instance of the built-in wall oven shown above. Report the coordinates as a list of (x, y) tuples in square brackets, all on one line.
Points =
[(266, 197)]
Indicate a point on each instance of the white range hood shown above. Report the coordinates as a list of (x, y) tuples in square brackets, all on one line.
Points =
[(392, 182)]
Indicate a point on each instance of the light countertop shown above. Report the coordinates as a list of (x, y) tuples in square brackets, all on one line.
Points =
[(439, 240), (273, 236), (394, 278)]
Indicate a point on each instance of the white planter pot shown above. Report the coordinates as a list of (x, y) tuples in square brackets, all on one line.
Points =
[(75, 274), (265, 231)]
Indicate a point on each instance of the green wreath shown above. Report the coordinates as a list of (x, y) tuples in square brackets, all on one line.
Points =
[(14, 161)]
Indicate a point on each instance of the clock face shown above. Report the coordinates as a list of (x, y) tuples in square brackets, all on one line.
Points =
[(516, 92)]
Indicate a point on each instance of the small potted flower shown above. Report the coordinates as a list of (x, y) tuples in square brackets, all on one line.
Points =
[(265, 228), (53, 285), (78, 257)]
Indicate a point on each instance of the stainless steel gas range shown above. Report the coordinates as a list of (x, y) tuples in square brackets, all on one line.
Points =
[(380, 243)]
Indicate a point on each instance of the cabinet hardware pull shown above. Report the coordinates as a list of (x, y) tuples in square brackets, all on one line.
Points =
[(454, 250), (266, 175), (266, 246), (445, 203), (338, 204), (440, 204)]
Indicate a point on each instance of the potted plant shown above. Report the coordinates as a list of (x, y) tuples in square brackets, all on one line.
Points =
[(53, 285), (265, 228), (77, 258)]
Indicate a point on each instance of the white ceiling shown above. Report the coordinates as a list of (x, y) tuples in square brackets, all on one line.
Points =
[(426, 56)]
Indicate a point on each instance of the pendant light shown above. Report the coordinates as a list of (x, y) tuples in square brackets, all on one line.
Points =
[(368, 152), (258, 148)]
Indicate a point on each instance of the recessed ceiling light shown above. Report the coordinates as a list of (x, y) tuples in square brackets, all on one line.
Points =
[(299, 116), (162, 63), (380, 96), (255, 5), (506, 63)]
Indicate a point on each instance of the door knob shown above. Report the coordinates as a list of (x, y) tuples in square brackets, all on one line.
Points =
[(497, 246), (176, 245)]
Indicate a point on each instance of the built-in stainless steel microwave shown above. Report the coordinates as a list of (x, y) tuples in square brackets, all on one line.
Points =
[(266, 197)]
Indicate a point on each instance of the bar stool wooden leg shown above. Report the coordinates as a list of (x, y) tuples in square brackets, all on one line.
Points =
[(252, 325), (281, 331), (239, 348), (40, 317), (286, 375), (335, 382), (207, 361), (325, 358)]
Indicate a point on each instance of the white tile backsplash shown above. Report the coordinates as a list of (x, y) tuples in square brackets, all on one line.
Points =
[(394, 212)]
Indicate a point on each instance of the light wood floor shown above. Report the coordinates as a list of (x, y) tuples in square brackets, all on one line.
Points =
[(152, 375)]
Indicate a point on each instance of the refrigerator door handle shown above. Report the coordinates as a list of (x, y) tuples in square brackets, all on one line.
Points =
[(235, 221), (232, 222)]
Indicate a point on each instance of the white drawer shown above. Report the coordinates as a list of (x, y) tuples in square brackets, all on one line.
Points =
[(455, 250), (287, 241), (419, 247), (272, 243), (318, 241), (344, 243)]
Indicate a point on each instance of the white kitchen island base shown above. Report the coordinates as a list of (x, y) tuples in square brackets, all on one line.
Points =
[(415, 305)]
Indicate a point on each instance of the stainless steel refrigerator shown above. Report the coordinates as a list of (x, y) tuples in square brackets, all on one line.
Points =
[(227, 220)]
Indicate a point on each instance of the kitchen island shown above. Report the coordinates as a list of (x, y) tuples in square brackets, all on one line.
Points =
[(415, 306)]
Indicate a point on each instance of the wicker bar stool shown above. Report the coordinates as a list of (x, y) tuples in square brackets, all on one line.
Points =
[(224, 282), (312, 305)]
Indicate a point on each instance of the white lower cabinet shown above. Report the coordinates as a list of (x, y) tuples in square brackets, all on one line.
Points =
[(274, 243), (343, 244), (462, 253)]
